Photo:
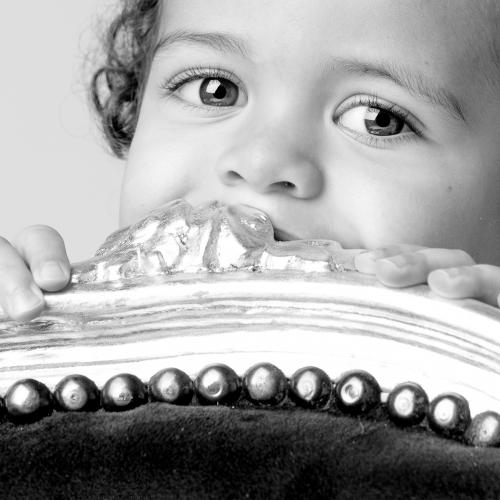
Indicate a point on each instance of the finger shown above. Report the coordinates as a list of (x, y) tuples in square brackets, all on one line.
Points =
[(365, 261), (481, 282), (42, 247), (413, 268), (20, 298)]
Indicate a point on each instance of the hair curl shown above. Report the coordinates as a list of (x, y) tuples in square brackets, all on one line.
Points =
[(117, 85)]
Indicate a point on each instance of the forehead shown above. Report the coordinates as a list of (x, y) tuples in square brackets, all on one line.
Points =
[(455, 42), (454, 19), (415, 25)]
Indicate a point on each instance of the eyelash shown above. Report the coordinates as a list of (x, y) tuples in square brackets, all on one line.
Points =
[(170, 86), (374, 101)]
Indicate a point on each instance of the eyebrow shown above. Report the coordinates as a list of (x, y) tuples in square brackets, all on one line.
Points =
[(415, 83), (220, 41)]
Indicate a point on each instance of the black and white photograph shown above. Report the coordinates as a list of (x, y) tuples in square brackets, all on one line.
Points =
[(250, 249)]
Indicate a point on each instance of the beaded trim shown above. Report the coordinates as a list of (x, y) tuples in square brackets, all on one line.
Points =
[(263, 385)]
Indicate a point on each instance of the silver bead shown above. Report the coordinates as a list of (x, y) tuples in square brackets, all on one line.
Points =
[(76, 393), (265, 384), (310, 387), (123, 392), (28, 400), (407, 404), (171, 385), (449, 415), (484, 430), (357, 392), (217, 384)]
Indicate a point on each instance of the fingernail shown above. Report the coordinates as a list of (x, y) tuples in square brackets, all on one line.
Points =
[(375, 254), (452, 276), (452, 283), (25, 299), (364, 258), (365, 261), (398, 261), (451, 272), (52, 271)]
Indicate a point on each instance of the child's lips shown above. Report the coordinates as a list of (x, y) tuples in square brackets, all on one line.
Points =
[(282, 235)]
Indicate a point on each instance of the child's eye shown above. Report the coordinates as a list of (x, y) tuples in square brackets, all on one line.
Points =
[(210, 91), (205, 88), (375, 123)]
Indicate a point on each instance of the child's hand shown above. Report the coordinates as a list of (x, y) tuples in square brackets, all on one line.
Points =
[(449, 273), (35, 260)]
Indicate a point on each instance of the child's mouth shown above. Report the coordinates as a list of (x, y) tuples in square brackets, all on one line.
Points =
[(281, 235)]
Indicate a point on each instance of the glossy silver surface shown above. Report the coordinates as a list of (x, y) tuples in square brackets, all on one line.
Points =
[(224, 291), (212, 237)]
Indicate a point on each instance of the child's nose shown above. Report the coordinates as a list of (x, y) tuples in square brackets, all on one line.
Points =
[(271, 162)]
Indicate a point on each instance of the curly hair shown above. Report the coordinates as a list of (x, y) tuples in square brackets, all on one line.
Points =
[(117, 86)]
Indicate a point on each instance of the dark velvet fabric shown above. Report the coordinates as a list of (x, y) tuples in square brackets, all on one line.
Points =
[(163, 451)]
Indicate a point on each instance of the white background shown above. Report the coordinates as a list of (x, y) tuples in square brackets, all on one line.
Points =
[(54, 165)]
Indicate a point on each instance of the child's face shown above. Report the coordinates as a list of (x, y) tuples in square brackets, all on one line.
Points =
[(369, 123)]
